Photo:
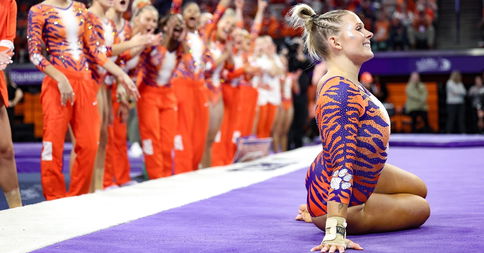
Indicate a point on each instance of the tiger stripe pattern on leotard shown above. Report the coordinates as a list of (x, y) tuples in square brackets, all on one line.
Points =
[(64, 33), (354, 129)]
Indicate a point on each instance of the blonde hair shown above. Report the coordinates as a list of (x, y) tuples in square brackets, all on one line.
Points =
[(455, 76), (317, 28), (142, 9)]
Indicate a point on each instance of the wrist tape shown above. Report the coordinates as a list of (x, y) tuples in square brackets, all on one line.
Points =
[(335, 232)]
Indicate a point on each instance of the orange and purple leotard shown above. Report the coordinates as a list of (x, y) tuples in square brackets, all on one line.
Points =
[(355, 129)]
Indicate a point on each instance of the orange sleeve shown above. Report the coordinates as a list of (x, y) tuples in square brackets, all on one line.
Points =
[(126, 55), (176, 6), (255, 30), (92, 41), (236, 73), (8, 29), (210, 27), (34, 35)]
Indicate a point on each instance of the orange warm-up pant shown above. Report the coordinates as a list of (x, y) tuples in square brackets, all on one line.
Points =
[(224, 146), (267, 115), (116, 166), (83, 116), (193, 117), (247, 106), (157, 115)]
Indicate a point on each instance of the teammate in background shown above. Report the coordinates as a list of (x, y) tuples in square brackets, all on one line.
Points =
[(243, 102), (277, 76), (144, 21), (285, 112), (8, 170), (116, 167), (221, 94), (108, 39), (68, 91), (157, 108), (350, 186), (270, 87), (190, 88)]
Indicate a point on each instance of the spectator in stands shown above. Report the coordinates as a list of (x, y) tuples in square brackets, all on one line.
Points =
[(367, 13), (456, 93), (476, 94), (421, 33), (398, 35), (416, 105), (382, 31), (15, 94)]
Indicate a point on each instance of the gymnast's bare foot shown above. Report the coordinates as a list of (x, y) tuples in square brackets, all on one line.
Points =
[(303, 214)]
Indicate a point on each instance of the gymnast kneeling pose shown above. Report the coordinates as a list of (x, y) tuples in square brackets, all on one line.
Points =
[(350, 186)]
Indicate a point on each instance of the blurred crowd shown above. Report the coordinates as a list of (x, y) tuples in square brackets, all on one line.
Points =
[(396, 24)]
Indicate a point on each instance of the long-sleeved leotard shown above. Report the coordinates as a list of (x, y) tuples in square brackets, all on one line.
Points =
[(8, 21), (65, 33), (106, 35), (355, 130)]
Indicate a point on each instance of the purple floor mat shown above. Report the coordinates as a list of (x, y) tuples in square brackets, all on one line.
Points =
[(27, 156), (259, 218)]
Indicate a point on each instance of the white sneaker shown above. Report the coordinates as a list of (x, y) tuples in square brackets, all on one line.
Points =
[(135, 150)]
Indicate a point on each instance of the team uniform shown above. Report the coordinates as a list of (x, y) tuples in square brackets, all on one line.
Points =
[(158, 110), (355, 130), (193, 97), (267, 88), (116, 167), (222, 89), (287, 82), (8, 22), (66, 32)]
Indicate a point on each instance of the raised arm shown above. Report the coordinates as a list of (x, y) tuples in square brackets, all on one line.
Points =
[(217, 15), (257, 25), (239, 15)]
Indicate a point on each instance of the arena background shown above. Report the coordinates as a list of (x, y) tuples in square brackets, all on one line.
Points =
[(432, 37)]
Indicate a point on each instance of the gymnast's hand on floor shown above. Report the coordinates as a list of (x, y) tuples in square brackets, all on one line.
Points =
[(303, 214), (327, 247)]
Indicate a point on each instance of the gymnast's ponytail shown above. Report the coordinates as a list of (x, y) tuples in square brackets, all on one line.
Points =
[(317, 28)]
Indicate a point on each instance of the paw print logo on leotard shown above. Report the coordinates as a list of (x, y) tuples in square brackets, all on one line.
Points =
[(36, 59), (341, 180)]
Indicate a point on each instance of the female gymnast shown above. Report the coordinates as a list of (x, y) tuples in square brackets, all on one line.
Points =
[(157, 109), (350, 186), (68, 91), (190, 87)]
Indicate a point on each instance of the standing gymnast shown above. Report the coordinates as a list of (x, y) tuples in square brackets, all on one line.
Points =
[(350, 187), (190, 87), (8, 170), (108, 40), (157, 109), (116, 167), (68, 91)]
